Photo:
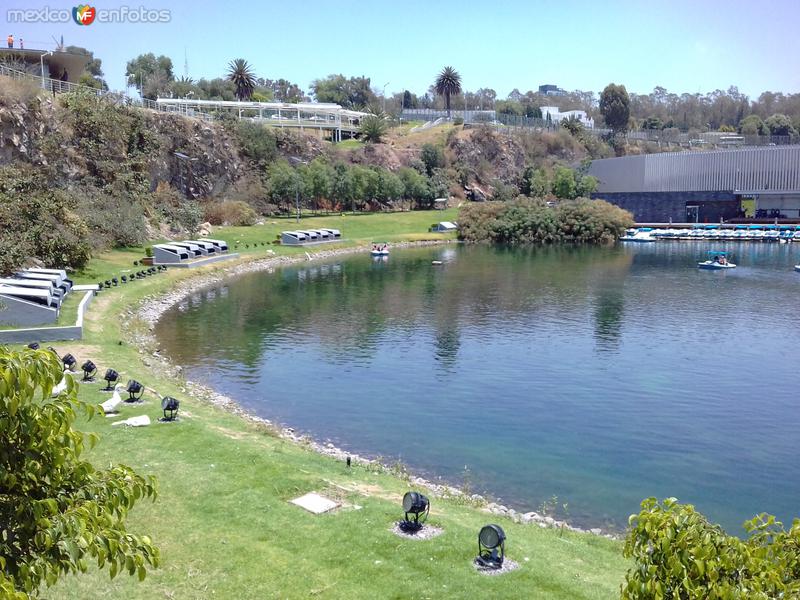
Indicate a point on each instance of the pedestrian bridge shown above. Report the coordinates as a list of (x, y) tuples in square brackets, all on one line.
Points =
[(305, 115)]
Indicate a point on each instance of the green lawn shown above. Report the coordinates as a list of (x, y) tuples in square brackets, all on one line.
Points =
[(222, 519)]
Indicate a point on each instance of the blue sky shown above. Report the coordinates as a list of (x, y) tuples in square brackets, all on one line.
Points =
[(683, 45)]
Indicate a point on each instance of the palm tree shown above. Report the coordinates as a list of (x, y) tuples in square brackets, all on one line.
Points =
[(448, 83), (241, 74)]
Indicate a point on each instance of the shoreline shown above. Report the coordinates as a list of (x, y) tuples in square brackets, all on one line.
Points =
[(151, 309)]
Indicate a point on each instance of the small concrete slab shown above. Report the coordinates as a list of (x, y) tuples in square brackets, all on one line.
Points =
[(314, 503)]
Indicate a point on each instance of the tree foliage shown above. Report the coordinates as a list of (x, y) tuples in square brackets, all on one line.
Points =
[(240, 72), (447, 84), (373, 128), (531, 221), (779, 124), (151, 75), (353, 93), (432, 157), (615, 106), (57, 512), (679, 555)]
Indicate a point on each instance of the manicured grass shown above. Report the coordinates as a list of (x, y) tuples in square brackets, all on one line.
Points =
[(222, 519)]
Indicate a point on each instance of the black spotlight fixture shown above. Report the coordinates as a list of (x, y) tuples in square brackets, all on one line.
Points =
[(491, 547), (108, 283), (136, 263), (89, 371), (99, 285), (170, 407), (111, 377), (135, 391), (33, 345), (69, 361), (124, 279), (417, 507), (114, 281)]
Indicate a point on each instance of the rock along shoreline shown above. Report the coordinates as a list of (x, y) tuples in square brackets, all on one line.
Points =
[(152, 308)]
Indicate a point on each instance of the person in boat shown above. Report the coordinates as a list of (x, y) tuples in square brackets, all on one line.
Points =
[(717, 259), (723, 260)]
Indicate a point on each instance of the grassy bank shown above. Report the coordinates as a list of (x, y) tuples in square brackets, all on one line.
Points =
[(222, 520)]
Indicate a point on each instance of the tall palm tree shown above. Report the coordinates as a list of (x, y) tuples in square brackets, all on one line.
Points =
[(241, 74), (448, 83)]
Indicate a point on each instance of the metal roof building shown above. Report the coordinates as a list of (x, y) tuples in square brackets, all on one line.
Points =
[(704, 186)]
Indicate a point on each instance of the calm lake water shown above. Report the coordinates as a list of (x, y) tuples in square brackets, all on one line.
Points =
[(600, 376)]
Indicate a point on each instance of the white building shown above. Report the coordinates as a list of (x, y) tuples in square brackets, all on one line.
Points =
[(556, 115)]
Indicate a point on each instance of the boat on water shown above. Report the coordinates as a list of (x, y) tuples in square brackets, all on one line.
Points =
[(797, 268), (717, 260), (379, 250), (643, 234)]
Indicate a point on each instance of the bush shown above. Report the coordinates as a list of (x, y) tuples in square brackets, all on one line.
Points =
[(40, 222), (531, 221), (433, 158), (458, 121), (233, 212), (179, 212), (115, 219), (258, 142), (679, 554)]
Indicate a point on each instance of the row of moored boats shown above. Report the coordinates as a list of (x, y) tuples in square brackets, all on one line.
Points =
[(738, 233)]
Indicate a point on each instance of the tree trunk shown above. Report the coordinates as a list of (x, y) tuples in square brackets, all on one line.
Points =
[(447, 103)]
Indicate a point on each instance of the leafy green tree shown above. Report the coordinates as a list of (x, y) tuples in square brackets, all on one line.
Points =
[(652, 123), (353, 93), (779, 124), (343, 187), (319, 180), (389, 186), (564, 183), (535, 183), (151, 75), (94, 68), (752, 125), (283, 90), (240, 72), (373, 128), (615, 106), (448, 83), (415, 185), (409, 100), (432, 156), (585, 185), (285, 184), (58, 512), (678, 554)]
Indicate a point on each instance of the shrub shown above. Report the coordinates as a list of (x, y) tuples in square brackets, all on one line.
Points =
[(115, 219), (591, 221), (678, 554), (258, 142), (179, 212), (433, 158), (39, 221), (531, 221), (234, 212), (373, 128), (458, 121)]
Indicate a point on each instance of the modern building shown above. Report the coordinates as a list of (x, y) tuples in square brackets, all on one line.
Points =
[(62, 66), (549, 89), (556, 115), (704, 187)]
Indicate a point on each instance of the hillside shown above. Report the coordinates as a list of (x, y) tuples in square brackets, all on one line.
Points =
[(96, 175)]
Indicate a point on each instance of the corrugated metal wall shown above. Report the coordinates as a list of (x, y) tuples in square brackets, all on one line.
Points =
[(750, 169)]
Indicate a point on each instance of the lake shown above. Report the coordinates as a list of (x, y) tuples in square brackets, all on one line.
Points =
[(600, 376)]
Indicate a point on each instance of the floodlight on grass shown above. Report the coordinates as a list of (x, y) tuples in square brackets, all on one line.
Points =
[(417, 507), (111, 377), (114, 281), (170, 407), (33, 345), (69, 361), (89, 371), (135, 391), (124, 279), (491, 547)]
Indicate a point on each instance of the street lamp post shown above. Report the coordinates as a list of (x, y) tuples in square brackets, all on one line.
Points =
[(41, 63), (297, 161)]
